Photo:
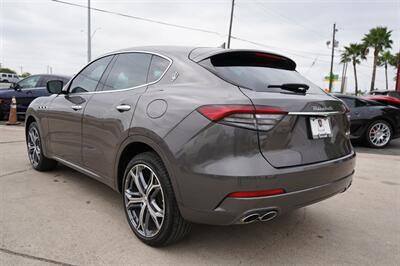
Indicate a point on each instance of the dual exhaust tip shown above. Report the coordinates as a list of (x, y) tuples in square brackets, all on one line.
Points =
[(259, 217)]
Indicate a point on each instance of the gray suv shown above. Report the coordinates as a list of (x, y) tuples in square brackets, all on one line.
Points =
[(195, 135)]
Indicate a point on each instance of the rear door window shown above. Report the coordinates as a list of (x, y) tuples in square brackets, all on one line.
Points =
[(129, 71), (256, 71)]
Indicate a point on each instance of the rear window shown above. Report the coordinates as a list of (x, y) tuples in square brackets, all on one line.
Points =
[(256, 71)]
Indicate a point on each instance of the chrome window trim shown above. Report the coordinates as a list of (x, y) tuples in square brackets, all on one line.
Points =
[(316, 113), (132, 88)]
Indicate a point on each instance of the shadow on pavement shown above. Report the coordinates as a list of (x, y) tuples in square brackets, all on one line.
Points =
[(392, 149)]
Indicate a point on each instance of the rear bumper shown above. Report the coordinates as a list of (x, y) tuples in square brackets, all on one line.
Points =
[(232, 210)]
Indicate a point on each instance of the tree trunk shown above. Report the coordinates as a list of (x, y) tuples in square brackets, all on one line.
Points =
[(355, 77), (376, 53), (387, 85)]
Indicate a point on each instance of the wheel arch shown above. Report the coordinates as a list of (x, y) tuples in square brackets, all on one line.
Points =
[(139, 143), (383, 118), (31, 117)]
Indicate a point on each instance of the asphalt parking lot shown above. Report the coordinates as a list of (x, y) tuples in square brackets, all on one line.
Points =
[(63, 217)]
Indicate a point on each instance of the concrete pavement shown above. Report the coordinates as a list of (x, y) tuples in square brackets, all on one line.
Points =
[(63, 217)]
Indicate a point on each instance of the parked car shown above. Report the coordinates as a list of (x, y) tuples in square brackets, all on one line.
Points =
[(25, 91), (9, 78), (387, 100), (204, 135), (395, 94), (372, 122)]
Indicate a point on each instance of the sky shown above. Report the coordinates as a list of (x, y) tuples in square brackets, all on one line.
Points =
[(38, 34)]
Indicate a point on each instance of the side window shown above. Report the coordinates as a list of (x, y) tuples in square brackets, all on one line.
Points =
[(360, 103), (129, 70), (157, 68), (30, 82), (88, 78), (349, 102), (43, 81), (3, 75)]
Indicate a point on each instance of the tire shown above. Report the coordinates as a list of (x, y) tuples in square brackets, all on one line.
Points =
[(34, 145), (379, 134), (156, 192)]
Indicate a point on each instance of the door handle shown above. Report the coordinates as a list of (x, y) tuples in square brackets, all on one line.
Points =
[(123, 107), (76, 107)]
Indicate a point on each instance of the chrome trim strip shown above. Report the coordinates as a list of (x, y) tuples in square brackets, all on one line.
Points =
[(76, 167), (316, 113), (116, 53)]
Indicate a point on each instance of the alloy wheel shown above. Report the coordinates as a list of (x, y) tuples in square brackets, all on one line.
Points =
[(144, 200), (379, 134), (34, 151)]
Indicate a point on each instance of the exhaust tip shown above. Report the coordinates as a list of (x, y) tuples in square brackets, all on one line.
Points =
[(268, 216), (250, 218)]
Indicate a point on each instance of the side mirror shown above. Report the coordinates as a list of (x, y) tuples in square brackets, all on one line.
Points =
[(55, 86)]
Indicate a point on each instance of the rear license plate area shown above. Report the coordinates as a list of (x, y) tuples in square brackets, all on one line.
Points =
[(320, 127)]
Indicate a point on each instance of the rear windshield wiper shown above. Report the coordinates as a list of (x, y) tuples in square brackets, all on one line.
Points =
[(295, 87)]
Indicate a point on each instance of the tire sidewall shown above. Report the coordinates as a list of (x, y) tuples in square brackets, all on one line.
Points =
[(369, 129), (39, 165), (163, 177)]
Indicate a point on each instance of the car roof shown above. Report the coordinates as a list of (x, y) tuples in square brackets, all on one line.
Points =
[(189, 52), (52, 75)]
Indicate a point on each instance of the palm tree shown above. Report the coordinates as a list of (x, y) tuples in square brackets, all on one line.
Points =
[(395, 60), (384, 59), (353, 53), (378, 39)]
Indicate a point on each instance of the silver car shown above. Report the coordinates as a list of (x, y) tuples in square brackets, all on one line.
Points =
[(195, 135)]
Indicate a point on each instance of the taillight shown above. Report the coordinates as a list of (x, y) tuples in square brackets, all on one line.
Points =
[(254, 194), (247, 116)]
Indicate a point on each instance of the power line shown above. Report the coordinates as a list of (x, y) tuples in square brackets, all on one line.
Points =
[(298, 53), (185, 27), (141, 18)]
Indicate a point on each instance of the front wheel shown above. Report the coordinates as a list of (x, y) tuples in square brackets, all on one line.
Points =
[(35, 151), (378, 134), (149, 202)]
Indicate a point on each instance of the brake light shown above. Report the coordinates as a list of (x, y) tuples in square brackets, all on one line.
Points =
[(254, 194), (248, 116)]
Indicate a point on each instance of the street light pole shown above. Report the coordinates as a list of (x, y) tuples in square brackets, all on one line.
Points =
[(230, 25), (333, 54), (89, 41)]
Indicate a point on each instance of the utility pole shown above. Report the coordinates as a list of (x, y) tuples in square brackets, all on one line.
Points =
[(230, 25), (21, 70), (333, 54), (89, 41)]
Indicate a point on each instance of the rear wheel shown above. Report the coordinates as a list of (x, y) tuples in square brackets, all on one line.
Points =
[(378, 134), (35, 151), (149, 202)]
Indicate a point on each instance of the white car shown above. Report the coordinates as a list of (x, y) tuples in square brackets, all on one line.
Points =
[(10, 78)]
